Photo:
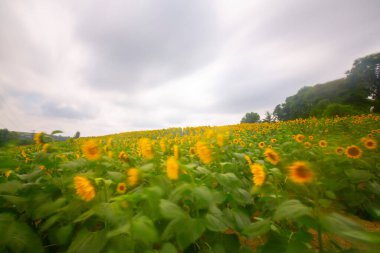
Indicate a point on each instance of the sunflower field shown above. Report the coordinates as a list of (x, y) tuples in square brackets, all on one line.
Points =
[(307, 185)]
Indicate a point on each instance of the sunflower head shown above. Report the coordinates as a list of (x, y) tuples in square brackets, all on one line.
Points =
[(133, 176), (307, 144), (172, 167), (370, 143), (91, 150), (300, 172), (322, 143), (261, 144), (121, 188), (353, 151), (271, 156), (339, 150), (38, 138), (299, 137), (84, 189), (259, 174)]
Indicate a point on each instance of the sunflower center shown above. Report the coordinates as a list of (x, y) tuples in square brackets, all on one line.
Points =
[(93, 150), (303, 172), (353, 151)]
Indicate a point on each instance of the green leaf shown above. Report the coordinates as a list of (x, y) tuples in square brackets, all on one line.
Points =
[(330, 195), (86, 241), (215, 223), (17, 236), (348, 229), (191, 230), (10, 187), (144, 230), (63, 234), (358, 176), (168, 248), (169, 210), (56, 132), (258, 228), (48, 208), (203, 197), (228, 180), (291, 209)]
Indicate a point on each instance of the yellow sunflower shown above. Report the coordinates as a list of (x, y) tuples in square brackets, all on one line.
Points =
[(84, 188), (259, 174), (38, 138), (133, 177), (339, 150), (172, 167), (370, 143), (145, 148), (121, 188), (91, 150), (307, 144), (271, 156), (299, 137), (353, 152), (261, 144), (322, 143), (123, 156), (220, 140), (203, 152), (300, 172)]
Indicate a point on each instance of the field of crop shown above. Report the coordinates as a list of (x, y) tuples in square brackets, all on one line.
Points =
[(295, 186)]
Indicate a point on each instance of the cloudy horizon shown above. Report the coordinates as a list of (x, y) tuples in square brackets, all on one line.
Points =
[(103, 67)]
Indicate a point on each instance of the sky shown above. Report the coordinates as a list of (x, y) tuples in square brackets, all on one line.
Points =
[(103, 67)]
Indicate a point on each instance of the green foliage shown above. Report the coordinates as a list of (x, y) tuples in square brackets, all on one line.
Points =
[(333, 110), (360, 91), (212, 207), (250, 117)]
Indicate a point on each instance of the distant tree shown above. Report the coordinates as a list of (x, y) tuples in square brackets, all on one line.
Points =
[(333, 110), (77, 135), (365, 76), (250, 117), (268, 117)]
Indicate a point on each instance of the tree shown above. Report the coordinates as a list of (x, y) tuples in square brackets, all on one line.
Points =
[(250, 117), (268, 117), (77, 135), (365, 76)]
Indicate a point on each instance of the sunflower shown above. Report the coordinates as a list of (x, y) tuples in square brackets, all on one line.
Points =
[(84, 188), (162, 146), (246, 157), (172, 168), (271, 156), (38, 138), (370, 143), (322, 143), (220, 140), (339, 150), (145, 148), (299, 137), (133, 177), (261, 144), (300, 172), (123, 156), (353, 152), (176, 151), (45, 147), (311, 137), (273, 140), (307, 144), (203, 152), (121, 188), (91, 150), (258, 174)]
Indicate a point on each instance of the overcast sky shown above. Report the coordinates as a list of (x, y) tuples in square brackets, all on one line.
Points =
[(102, 67)]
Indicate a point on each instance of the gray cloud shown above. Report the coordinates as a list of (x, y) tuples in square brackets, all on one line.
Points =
[(139, 45), (52, 109), (122, 65)]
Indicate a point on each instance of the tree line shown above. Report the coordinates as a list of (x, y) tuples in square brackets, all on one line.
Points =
[(357, 93)]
